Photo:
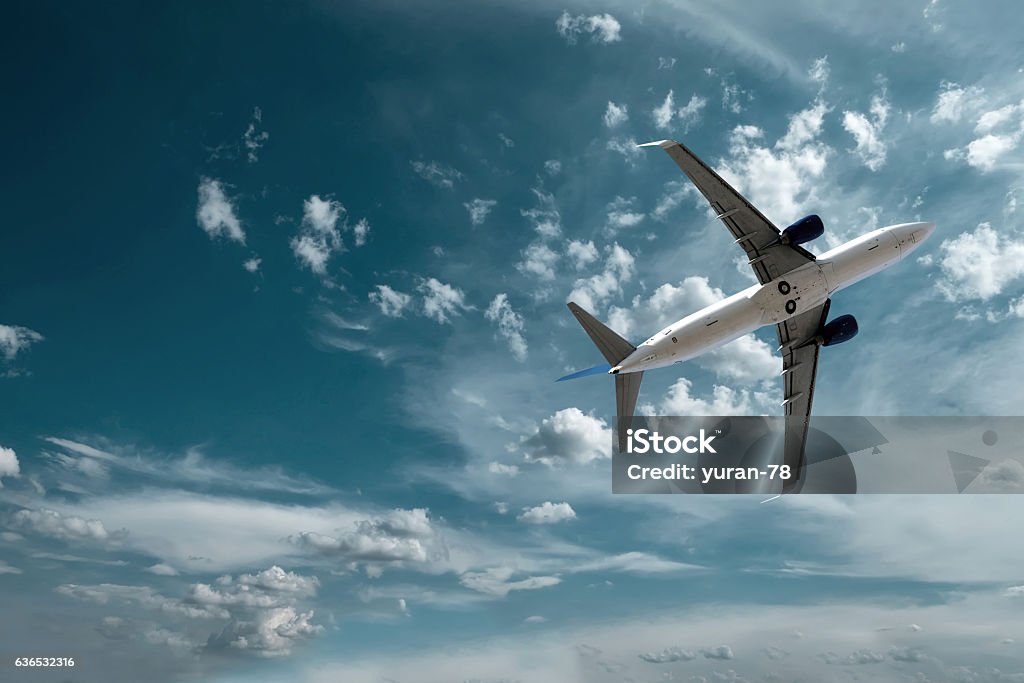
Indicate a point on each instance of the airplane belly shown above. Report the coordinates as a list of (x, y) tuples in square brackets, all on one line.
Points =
[(792, 294)]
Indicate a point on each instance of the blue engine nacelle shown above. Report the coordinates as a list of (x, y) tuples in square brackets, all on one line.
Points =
[(804, 230), (843, 328)]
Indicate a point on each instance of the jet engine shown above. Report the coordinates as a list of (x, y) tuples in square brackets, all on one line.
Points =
[(804, 230), (843, 328)]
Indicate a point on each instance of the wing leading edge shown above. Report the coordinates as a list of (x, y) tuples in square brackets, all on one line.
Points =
[(766, 254), (800, 345)]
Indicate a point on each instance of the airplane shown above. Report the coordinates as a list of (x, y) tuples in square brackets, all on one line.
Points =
[(793, 293)]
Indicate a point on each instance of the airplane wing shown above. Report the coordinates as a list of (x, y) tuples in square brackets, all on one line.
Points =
[(799, 346), (759, 238)]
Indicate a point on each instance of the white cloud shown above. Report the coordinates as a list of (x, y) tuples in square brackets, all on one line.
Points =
[(595, 290), (544, 218), (980, 264), (254, 139), (440, 300), (603, 28), (731, 97), (899, 47), (953, 101), (142, 596), (718, 652), (506, 140), (671, 654), (867, 131), (621, 214), (392, 303), (819, 71), (997, 117), (479, 209), (724, 401), (401, 536), (627, 147), (666, 63), (436, 174), (497, 581), (14, 339), (319, 235), (51, 523), (985, 151), (8, 569), (582, 254), (615, 114), (9, 466), (689, 115), (552, 167), (663, 113), (360, 231), (507, 470), (510, 325), (162, 569), (547, 513), (216, 213), (780, 180), (252, 265), (539, 260), (569, 437)]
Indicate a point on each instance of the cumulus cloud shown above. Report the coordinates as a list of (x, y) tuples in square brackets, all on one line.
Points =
[(552, 167), (679, 400), (254, 138), (9, 466), (544, 217), (538, 260), (690, 113), (662, 114), (497, 581), (980, 264), (162, 569), (319, 236), (14, 339), (668, 655), (569, 437), (216, 212), (401, 536), (954, 101), (272, 632), (593, 291), (719, 652), (391, 302), (627, 147), (622, 214), (780, 179), (867, 131), (441, 300), (615, 114), (547, 513), (603, 28), (666, 63), (479, 209), (361, 231), (252, 265), (51, 523), (581, 253), (819, 71), (510, 325), (436, 174)]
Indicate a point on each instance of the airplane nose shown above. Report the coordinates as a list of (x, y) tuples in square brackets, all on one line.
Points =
[(923, 231)]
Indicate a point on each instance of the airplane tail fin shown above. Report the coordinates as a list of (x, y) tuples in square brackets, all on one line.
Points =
[(614, 349)]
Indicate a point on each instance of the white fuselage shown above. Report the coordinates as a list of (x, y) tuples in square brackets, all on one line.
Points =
[(773, 302)]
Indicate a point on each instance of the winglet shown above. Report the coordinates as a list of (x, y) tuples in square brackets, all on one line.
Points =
[(659, 143)]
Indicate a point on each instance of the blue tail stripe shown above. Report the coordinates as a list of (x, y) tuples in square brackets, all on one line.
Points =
[(596, 370)]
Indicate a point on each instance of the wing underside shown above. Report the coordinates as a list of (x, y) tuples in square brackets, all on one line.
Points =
[(760, 239), (800, 346)]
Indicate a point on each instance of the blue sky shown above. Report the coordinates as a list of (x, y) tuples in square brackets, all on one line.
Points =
[(282, 302)]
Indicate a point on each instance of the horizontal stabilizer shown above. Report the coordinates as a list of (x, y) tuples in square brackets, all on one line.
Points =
[(613, 347), (596, 370)]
